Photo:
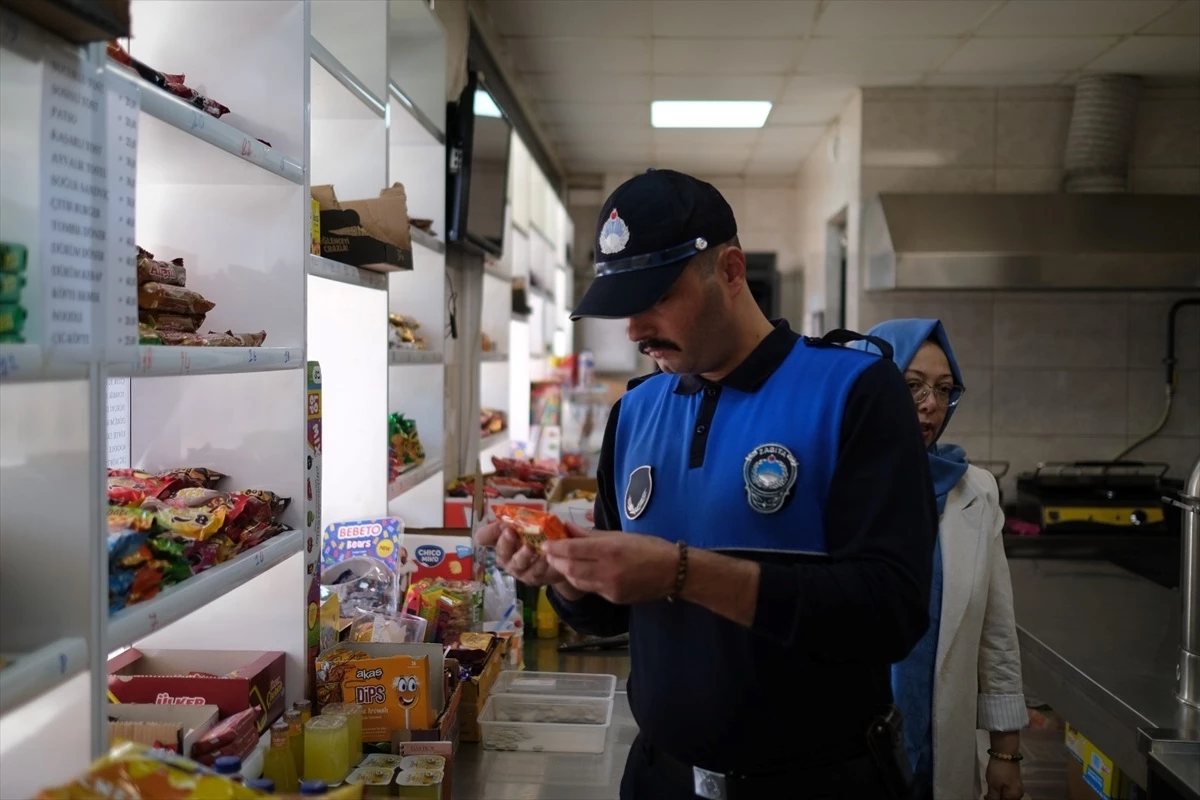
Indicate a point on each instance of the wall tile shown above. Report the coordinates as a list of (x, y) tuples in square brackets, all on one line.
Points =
[(967, 317), (1038, 180), (1148, 331), (979, 448), (973, 416), (1024, 453), (1060, 334), (947, 94), (929, 133), (1031, 133), (1064, 402), (1178, 451), (1147, 400), (1167, 134), (1165, 180), (1061, 94), (927, 179)]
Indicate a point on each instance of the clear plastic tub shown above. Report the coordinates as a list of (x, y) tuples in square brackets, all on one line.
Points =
[(555, 684), (541, 724)]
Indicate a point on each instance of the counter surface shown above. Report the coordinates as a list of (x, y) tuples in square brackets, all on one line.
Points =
[(490, 775), (1099, 644)]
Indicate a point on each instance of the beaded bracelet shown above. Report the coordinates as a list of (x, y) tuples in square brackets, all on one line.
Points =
[(1005, 756), (680, 572)]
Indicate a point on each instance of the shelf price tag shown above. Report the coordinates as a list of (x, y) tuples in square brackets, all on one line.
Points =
[(123, 109), (74, 203), (117, 423)]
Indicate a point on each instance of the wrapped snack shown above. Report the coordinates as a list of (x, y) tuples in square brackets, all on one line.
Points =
[(11, 284), (147, 334), (123, 544), (533, 526), (210, 339), (228, 731), (12, 257), (193, 522), (248, 339), (169, 321), (12, 318), (121, 518), (170, 272), (133, 489), (165, 297), (196, 476), (132, 771)]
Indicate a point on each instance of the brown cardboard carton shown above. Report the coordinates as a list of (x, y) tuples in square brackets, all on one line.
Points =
[(371, 682), (172, 727), (476, 692)]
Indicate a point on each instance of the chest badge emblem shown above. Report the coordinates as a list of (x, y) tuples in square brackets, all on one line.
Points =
[(770, 473), (638, 491)]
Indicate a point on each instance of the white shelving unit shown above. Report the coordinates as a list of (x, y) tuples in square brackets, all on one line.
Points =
[(314, 79)]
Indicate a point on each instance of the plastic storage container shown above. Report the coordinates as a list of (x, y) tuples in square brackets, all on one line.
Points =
[(556, 684), (376, 781), (538, 723), (422, 784)]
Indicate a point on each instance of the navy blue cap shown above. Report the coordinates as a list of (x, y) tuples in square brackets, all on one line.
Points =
[(648, 231)]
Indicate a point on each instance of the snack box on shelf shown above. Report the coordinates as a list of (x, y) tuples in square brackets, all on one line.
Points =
[(231, 680), (556, 684), (399, 686), (358, 250), (578, 510), (171, 727), (538, 723), (447, 553), (458, 511), (477, 690)]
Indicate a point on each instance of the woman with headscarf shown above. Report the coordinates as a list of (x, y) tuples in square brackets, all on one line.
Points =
[(965, 673)]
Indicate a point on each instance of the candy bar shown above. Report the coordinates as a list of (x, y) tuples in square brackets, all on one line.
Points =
[(164, 297), (150, 269), (169, 321)]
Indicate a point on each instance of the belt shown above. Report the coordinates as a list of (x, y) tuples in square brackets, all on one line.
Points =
[(739, 786)]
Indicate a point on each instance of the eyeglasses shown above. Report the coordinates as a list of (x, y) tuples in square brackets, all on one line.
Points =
[(946, 396)]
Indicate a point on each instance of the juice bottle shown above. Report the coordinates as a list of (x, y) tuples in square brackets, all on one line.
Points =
[(326, 749), (296, 738), (305, 709), (353, 712), (313, 788), (230, 767), (279, 764), (262, 785), (547, 617)]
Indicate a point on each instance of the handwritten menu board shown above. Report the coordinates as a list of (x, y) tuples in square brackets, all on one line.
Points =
[(74, 200)]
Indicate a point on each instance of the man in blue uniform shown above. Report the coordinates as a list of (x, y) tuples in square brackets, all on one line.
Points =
[(765, 525)]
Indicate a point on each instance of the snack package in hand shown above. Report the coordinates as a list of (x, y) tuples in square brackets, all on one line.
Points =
[(533, 526)]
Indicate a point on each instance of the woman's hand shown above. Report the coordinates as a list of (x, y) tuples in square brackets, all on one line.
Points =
[(1004, 780)]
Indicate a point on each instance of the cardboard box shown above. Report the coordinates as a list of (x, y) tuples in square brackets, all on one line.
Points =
[(160, 677), (173, 727), (1090, 773), (372, 234), (476, 692), (441, 553), (581, 512), (373, 683), (385, 217)]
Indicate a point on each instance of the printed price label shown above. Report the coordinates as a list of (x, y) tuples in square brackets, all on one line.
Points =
[(121, 275), (74, 202), (117, 423)]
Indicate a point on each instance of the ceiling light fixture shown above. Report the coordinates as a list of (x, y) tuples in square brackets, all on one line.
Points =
[(709, 113)]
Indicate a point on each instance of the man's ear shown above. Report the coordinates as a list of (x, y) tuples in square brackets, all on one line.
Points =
[(731, 268)]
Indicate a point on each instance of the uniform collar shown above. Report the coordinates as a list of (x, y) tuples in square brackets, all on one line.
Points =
[(751, 374)]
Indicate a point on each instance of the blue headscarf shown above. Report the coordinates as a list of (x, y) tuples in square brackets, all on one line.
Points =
[(947, 462)]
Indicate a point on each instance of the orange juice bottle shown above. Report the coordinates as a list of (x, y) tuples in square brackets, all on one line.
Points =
[(305, 709), (296, 738), (326, 747), (279, 764)]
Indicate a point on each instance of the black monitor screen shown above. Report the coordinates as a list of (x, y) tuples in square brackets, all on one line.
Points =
[(488, 171)]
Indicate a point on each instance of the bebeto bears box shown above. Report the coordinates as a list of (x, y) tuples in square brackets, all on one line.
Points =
[(447, 553)]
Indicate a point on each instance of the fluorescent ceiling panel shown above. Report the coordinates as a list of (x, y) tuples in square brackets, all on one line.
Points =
[(709, 113)]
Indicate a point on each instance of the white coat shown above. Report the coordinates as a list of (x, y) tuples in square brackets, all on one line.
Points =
[(977, 676)]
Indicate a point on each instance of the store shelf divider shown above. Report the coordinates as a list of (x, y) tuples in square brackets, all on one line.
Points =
[(426, 240), (138, 621), (414, 477), (397, 357), (345, 77), (157, 360), (29, 362), (191, 120), (33, 674), (419, 115), (330, 269)]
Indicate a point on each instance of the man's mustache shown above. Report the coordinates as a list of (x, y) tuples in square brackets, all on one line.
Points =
[(656, 344)]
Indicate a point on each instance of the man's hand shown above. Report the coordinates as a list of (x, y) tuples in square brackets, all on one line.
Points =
[(515, 557), (1004, 780), (625, 568)]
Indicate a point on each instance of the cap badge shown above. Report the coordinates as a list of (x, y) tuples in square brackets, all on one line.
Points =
[(614, 234), (770, 472)]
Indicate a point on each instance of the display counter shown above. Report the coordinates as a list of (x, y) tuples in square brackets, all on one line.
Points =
[(1099, 644)]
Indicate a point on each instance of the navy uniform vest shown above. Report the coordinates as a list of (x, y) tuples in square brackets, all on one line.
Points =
[(767, 467)]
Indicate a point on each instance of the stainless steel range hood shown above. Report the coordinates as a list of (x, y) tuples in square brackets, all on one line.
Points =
[(1032, 241)]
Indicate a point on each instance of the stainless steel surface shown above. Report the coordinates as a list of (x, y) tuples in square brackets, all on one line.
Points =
[(1175, 758), (1188, 688), (1099, 645), (491, 775), (1031, 241)]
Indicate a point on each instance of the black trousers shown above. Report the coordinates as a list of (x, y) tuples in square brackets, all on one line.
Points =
[(652, 775)]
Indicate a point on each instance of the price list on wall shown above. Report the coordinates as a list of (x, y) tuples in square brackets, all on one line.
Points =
[(123, 108), (74, 200), (118, 423)]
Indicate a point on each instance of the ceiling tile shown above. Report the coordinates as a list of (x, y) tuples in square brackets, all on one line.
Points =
[(724, 56), (555, 87), (601, 18), (1072, 18), (751, 18), (775, 164), (786, 139), (717, 87), (805, 113), (705, 139), (599, 135), (1152, 55), (819, 89), (607, 152), (995, 78), (875, 55), (590, 113), (855, 18), (593, 56), (726, 163), (1025, 55), (1183, 19)]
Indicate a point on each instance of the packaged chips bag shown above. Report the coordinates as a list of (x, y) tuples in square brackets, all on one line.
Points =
[(132, 771), (533, 526)]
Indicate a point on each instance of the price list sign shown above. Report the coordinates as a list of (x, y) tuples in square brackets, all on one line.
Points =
[(118, 423), (74, 200), (121, 280)]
